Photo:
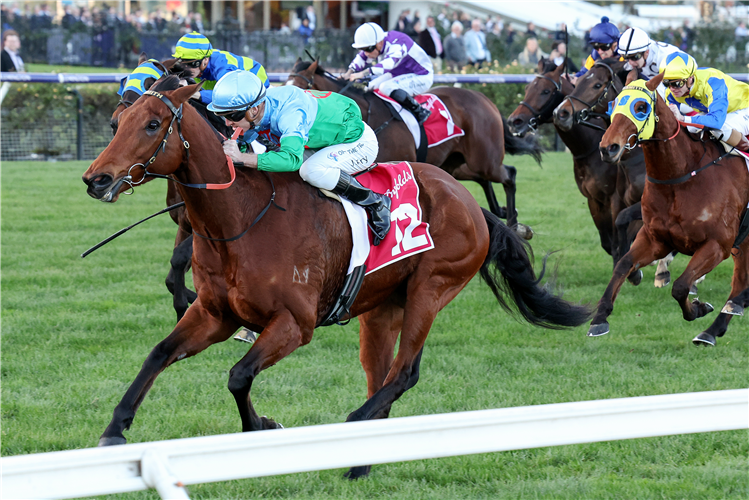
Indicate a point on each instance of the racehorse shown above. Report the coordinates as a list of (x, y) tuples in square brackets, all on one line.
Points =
[(476, 156), (248, 280), (182, 253), (596, 179), (686, 205)]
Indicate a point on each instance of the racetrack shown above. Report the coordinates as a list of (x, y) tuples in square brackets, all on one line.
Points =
[(75, 333)]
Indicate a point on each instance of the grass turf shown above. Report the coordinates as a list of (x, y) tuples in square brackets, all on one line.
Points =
[(75, 333)]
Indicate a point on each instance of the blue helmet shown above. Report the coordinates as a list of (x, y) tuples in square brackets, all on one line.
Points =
[(237, 90), (604, 32)]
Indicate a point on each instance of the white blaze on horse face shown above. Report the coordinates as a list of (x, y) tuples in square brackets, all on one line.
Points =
[(705, 215), (302, 277), (289, 82)]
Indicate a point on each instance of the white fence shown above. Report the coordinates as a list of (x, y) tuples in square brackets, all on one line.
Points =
[(169, 465)]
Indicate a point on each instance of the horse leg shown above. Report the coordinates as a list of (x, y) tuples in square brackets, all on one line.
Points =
[(180, 262), (624, 219), (662, 274), (279, 338), (601, 219), (735, 305), (491, 198), (195, 332), (702, 262), (643, 252), (510, 188)]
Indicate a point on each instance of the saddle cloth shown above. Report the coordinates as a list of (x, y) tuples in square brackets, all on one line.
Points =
[(439, 127), (408, 235)]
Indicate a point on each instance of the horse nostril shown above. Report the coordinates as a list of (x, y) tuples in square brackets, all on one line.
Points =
[(563, 114), (613, 149), (99, 182), (517, 122)]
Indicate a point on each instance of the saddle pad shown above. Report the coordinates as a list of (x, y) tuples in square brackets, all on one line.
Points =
[(408, 234), (439, 127)]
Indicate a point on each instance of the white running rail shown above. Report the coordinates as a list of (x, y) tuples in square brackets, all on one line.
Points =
[(170, 465)]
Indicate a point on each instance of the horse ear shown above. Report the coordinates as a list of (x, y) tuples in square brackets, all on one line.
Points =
[(182, 94), (654, 82), (298, 60), (541, 64), (313, 66), (559, 69), (631, 77), (143, 58)]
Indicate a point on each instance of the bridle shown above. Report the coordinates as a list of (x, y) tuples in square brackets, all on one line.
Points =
[(582, 116), (547, 110)]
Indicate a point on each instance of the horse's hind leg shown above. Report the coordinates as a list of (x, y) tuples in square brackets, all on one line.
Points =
[(702, 262), (624, 220), (491, 198), (279, 338), (180, 263), (195, 332)]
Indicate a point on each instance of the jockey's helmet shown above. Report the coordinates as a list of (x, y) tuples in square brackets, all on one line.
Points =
[(237, 90), (678, 66), (368, 35), (193, 46), (604, 32), (633, 41)]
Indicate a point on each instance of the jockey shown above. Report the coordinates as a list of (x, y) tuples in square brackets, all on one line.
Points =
[(642, 53), (205, 64), (603, 37), (402, 68), (329, 124), (135, 81), (723, 102)]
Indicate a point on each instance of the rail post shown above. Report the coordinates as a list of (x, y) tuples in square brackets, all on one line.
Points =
[(79, 123)]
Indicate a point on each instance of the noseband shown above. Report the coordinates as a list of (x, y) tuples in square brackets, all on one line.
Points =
[(545, 113), (310, 82), (582, 116)]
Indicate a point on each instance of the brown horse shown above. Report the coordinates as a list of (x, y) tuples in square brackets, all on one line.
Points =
[(248, 281), (476, 156), (596, 179), (692, 203)]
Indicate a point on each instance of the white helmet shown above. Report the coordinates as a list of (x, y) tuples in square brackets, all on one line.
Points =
[(633, 41), (367, 35)]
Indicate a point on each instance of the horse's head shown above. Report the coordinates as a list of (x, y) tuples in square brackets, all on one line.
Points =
[(542, 96), (634, 115), (129, 96), (145, 128), (303, 74), (592, 94)]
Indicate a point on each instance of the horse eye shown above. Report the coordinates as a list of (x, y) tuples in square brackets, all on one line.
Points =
[(546, 92), (598, 85), (153, 125)]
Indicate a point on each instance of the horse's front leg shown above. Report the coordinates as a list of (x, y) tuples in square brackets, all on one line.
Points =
[(196, 331), (279, 339), (644, 251), (180, 262), (702, 262)]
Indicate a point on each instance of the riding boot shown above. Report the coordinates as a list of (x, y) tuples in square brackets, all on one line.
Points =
[(377, 205), (408, 102)]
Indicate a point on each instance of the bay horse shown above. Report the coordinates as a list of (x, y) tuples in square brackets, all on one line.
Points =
[(693, 202), (477, 156), (181, 259), (596, 180), (249, 281)]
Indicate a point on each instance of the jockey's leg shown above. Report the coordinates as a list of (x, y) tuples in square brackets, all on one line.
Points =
[(735, 129), (402, 87), (331, 168)]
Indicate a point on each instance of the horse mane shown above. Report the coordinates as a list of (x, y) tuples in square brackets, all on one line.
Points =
[(549, 66), (166, 82), (354, 89)]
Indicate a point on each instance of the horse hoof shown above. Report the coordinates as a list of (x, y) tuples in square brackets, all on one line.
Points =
[(112, 441), (524, 231), (733, 309), (704, 339), (269, 424), (635, 278), (356, 472), (693, 290), (598, 330), (662, 279)]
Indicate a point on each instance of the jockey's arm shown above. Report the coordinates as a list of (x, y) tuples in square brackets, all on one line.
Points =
[(717, 105)]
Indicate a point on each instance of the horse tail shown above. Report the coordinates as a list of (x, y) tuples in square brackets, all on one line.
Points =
[(508, 270), (527, 145)]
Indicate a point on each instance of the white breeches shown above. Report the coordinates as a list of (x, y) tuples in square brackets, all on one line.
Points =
[(738, 120), (412, 84), (323, 168)]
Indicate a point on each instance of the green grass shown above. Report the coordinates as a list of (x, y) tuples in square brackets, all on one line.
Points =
[(75, 333), (61, 68)]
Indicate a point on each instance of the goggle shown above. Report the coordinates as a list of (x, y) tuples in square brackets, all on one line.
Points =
[(370, 49), (192, 64), (676, 84), (634, 57), (235, 116), (602, 46)]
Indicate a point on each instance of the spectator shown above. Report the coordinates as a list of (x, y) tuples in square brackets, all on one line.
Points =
[(531, 55), (510, 35), (741, 33), (530, 31), (558, 53), (284, 29), (561, 34), (197, 22), (466, 20), (305, 30), (310, 13), (475, 42), (9, 59), (686, 35), (455, 48), (69, 20), (403, 24), (429, 40)]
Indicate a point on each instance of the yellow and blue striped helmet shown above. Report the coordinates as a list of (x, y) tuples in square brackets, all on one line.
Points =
[(678, 66), (193, 46)]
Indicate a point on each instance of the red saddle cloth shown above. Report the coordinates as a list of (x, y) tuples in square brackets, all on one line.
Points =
[(408, 234), (439, 127)]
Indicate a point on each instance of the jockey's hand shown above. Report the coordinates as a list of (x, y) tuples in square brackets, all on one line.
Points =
[(357, 76), (675, 110), (231, 149)]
